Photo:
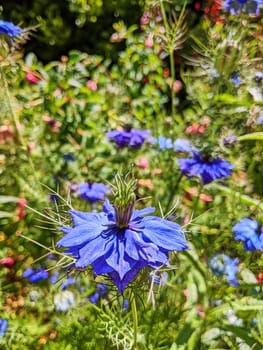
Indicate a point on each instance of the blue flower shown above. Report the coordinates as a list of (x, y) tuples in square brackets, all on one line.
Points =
[(260, 120), (248, 231), (35, 276), (164, 142), (223, 265), (230, 140), (235, 79), (133, 138), (237, 6), (100, 291), (92, 192), (120, 250), (3, 327), (9, 29), (208, 168), (184, 146)]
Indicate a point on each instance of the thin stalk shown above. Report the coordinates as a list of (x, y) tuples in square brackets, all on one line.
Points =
[(196, 201), (16, 123), (171, 58), (172, 193), (135, 321)]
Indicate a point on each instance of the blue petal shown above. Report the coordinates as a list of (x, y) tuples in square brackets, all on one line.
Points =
[(79, 235), (138, 249), (93, 250), (81, 218), (165, 234), (142, 212), (118, 260)]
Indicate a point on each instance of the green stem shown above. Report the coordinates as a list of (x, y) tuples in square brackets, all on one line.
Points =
[(135, 320), (7, 101), (196, 201), (242, 197), (171, 58), (172, 193)]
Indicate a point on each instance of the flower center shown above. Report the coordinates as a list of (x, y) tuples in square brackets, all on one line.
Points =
[(123, 215)]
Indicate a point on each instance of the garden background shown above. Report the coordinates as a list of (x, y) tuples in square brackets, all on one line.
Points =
[(147, 104)]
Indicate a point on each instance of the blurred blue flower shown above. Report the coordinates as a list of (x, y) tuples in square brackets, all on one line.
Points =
[(68, 282), (235, 79), (133, 138), (92, 191), (209, 169), (260, 120), (64, 300), (69, 157), (120, 251), (184, 146), (54, 278), (3, 327), (248, 231), (223, 265), (101, 290), (248, 6), (35, 276), (9, 29), (230, 140), (164, 142)]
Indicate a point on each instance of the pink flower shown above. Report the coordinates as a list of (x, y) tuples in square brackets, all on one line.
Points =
[(7, 262), (20, 209), (54, 124), (177, 86), (92, 85), (32, 78), (143, 163), (149, 42)]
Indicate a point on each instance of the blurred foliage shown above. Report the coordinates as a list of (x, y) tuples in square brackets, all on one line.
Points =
[(71, 24)]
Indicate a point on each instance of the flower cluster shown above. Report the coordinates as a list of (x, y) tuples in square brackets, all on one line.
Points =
[(249, 232), (35, 276), (120, 243), (133, 138), (223, 265), (237, 6)]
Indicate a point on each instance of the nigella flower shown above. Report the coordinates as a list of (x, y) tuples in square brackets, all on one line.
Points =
[(133, 138), (249, 231), (92, 192), (223, 265), (9, 29), (208, 168), (3, 327), (35, 276), (120, 241), (248, 6)]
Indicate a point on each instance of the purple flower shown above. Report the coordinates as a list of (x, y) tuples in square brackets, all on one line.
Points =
[(248, 231), (3, 327), (208, 168), (133, 138), (237, 6), (9, 29), (120, 245), (260, 120), (223, 265), (35, 276), (92, 192), (230, 140)]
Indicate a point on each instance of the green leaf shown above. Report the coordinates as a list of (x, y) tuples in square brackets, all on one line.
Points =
[(252, 136), (8, 199)]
